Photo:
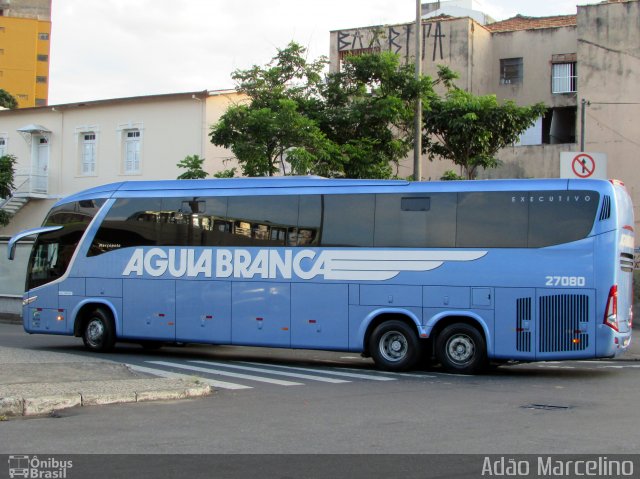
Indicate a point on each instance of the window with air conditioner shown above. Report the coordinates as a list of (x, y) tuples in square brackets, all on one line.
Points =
[(511, 71)]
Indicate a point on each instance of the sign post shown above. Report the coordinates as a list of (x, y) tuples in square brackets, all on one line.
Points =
[(581, 165)]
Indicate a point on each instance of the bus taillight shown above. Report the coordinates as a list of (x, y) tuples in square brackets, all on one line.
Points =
[(611, 312)]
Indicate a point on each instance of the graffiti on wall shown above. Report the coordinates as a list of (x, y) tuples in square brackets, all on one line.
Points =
[(397, 39)]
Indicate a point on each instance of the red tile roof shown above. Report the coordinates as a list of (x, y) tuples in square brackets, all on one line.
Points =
[(520, 22)]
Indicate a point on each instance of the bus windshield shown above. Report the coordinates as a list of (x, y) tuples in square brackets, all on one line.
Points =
[(52, 251)]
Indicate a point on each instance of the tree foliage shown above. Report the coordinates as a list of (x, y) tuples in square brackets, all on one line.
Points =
[(469, 129), (7, 172), (274, 125), (358, 122), (193, 165), (354, 123), (7, 100)]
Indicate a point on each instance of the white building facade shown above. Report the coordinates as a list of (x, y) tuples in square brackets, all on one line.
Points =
[(63, 149)]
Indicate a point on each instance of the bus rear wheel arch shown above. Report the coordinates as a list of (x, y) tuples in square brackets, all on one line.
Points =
[(98, 330), (461, 348), (394, 346)]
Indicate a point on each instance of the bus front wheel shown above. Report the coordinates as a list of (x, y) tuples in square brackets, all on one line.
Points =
[(394, 346), (461, 348), (99, 332)]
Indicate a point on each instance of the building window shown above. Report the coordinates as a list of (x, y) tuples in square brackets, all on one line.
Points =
[(88, 153), (41, 102), (43, 36), (510, 71), (564, 78), (41, 79), (43, 58), (3, 146), (132, 152)]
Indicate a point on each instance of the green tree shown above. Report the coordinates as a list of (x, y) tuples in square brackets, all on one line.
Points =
[(274, 124), (368, 113), (469, 129), (7, 100), (7, 172), (355, 123), (193, 165)]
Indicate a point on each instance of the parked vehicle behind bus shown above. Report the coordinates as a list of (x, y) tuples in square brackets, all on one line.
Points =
[(523, 270)]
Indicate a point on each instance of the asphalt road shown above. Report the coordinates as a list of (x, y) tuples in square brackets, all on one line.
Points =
[(307, 402)]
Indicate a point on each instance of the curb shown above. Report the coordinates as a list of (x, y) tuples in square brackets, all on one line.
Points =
[(39, 405)]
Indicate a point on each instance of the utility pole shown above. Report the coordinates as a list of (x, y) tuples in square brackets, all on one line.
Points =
[(583, 108), (417, 142)]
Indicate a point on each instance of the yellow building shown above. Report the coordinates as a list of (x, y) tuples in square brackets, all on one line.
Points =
[(25, 32)]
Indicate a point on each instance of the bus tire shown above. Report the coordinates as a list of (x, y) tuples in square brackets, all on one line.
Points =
[(394, 346), (461, 348), (99, 334)]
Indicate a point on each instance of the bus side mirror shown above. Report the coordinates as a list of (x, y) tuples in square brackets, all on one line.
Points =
[(23, 234)]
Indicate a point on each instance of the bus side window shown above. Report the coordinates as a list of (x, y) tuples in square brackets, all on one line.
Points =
[(348, 220), (262, 220), (415, 221)]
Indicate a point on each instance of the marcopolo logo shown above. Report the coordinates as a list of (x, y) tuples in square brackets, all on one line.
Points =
[(305, 264), (38, 468)]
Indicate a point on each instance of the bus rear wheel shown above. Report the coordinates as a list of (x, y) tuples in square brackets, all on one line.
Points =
[(461, 349), (394, 346), (99, 332)]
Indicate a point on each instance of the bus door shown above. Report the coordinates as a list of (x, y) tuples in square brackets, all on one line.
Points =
[(148, 309), (48, 262)]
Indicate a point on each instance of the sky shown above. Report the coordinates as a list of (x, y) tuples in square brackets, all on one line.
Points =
[(102, 49)]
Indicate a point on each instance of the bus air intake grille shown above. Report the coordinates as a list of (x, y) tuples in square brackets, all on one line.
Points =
[(626, 262), (605, 212), (563, 320), (523, 319)]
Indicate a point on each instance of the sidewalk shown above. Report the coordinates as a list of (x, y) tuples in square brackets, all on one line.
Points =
[(39, 382)]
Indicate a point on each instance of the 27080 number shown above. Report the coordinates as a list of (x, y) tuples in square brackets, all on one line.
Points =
[(574, 281)]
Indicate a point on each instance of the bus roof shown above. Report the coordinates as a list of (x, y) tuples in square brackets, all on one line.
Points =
[(307, 184)]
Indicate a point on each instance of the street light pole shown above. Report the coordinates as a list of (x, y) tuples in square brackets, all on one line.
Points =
[(417, 142)]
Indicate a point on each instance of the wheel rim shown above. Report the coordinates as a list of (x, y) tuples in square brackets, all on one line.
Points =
[(393, 346), (95, 332), (461, 349)]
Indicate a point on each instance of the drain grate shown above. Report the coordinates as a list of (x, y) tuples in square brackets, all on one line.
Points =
[(546, 407)]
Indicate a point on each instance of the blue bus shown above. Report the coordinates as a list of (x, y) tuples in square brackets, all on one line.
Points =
[(467, 272)]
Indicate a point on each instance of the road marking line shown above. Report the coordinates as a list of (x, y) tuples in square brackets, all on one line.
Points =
[(172, 375), (269, 371), (226, 373), (326, 371)]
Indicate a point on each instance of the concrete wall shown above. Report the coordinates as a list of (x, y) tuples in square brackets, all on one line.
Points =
[(535, 47), (609, 72)]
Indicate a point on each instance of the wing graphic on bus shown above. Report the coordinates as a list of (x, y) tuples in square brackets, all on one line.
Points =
[(380, 265)]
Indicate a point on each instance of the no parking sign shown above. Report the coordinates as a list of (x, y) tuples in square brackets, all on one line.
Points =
[(578, 164)]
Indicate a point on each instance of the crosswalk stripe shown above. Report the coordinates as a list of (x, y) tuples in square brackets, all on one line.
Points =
[(172, 375), (327, 371), (277, 373), (226, 373)]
